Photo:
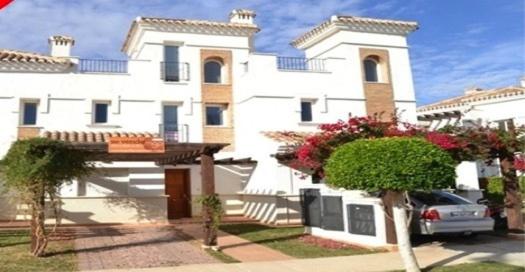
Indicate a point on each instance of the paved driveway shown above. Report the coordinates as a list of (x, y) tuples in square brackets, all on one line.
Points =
[(135, 247), (433, 253)]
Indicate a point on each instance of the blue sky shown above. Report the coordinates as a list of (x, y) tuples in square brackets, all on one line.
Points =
[(460, 43)]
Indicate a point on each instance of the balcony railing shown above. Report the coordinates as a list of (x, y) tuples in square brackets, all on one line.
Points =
[(300, 64), (102, 66), (174, 71), (174, 133)]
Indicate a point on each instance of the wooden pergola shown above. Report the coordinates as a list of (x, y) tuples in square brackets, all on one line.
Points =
[(175, 153)]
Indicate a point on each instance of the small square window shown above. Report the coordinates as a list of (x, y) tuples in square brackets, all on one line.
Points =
[(29, 113), (101, 113), (306, 111), (214, 115)]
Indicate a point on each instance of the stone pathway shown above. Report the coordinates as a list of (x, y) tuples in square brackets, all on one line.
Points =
[(435, 254), (238, 248), (135, 247)]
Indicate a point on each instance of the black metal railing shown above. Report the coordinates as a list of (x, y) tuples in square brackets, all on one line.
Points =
[(102, 66), (300, 64), (174, 133), (174, 71)]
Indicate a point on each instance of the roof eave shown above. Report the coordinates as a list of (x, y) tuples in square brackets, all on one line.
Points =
[(312, 37), (131, 32)]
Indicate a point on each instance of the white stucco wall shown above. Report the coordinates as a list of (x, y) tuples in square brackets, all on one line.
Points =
[(265, 99)]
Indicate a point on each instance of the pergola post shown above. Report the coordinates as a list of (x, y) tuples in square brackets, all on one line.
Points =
[(208, 189)]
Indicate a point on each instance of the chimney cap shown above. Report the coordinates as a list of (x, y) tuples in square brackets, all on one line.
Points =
[(62, 38), (473, 89), (247, 12)]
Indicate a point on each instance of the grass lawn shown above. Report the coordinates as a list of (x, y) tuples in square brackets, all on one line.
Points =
[(286, 240), (478, 267), (15, 256), (221, 256)]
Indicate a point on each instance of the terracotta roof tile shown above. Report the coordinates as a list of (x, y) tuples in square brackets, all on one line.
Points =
[(28, 57), (359, 24), (92, 137), (287, 137), (154, 20), (185, 22)]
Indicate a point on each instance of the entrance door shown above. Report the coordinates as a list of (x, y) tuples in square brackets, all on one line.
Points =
[(178, 191)]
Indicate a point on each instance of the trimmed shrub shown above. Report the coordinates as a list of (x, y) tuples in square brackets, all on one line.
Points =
[(397, 163)]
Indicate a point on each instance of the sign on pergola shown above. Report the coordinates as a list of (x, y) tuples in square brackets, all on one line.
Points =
[(136, 145)]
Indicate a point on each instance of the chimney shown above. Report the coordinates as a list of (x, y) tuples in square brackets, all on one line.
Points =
[(242, 16), (472, 90), (60, 46)]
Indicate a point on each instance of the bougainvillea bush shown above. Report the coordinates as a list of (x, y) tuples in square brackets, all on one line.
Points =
[(316, 148), (463, 144)]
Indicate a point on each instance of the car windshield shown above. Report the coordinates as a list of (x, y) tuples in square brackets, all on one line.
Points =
[(439, 198)]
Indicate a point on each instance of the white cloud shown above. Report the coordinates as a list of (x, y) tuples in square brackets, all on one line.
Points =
[(442, 74), (100, 26)]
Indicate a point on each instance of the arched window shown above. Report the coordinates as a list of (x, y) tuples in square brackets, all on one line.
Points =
[(371, 73), (212, 72)]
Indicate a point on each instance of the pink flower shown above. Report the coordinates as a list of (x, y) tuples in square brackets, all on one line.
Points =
[(445, 141)]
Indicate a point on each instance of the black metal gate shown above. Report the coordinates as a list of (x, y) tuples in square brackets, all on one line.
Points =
[(321, 211), (332, 210), (361, 219), (311, 207)]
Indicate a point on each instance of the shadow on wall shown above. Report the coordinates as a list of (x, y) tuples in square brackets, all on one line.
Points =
[(11, 208), (75, 217), (138, 209), (106, 179), (272, 208), (230, 180)]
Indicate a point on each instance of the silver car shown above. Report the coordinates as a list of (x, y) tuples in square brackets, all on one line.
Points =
[(442, 212)]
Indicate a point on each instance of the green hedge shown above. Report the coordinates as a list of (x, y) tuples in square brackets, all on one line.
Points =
[(495, 189), (400, 164)]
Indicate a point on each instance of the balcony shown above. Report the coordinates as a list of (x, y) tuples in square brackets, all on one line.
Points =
[(102, 66), (300, 64), (174, 133), (174, 71)]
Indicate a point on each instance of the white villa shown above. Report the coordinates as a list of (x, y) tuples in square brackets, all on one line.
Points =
[(500, 107), (196, 81)]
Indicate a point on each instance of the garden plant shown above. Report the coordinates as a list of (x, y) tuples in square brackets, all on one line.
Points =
[(34, 170)]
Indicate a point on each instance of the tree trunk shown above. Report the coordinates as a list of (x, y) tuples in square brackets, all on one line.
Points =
[(513, 200), (34, 216), (403, 237), (389, 218), (38, 231)]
